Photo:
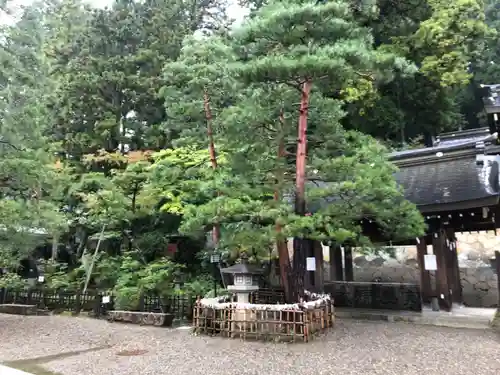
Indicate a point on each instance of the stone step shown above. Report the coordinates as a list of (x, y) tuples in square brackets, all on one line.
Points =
[(441, 320)]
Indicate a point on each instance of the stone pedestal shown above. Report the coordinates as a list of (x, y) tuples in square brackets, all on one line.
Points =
[(242, 292)]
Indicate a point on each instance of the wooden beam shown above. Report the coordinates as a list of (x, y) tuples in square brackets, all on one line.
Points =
[(497, 266), (442, 286), (336, 269), (453, 270), (425, 277), (457, 286), (319, 274), (348, 263)]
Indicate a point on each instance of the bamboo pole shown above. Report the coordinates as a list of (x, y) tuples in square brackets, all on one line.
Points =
[(87, 280)]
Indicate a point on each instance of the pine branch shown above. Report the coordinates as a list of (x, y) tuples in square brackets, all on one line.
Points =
[(11, 145)]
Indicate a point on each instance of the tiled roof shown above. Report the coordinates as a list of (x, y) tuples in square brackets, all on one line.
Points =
[(449, 181), (455, 172), (447, 143)]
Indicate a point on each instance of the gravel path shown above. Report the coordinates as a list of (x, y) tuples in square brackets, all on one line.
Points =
[(352, 348)]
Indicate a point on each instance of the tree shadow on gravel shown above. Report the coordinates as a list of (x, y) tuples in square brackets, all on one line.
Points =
[(34, 365)]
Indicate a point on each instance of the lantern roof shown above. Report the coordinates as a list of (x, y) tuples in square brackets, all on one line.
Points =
[(243, 268)]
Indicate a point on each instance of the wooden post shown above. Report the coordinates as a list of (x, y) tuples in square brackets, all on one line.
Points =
[(425, 277), (497, 266), (442, 286), (96, 304), (349, 269), (452, 271), (336, 269), (319, 274), (78, 302), (142, 302), (457, 283)]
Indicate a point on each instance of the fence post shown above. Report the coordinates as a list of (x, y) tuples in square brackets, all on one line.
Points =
[(3, 293), (29, 298), (78, 302), (497, 266), (97, 304), (43, 296), (141, 302)]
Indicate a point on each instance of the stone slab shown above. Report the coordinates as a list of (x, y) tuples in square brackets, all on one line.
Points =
[(142, 318), (18, 309), (471, 320)]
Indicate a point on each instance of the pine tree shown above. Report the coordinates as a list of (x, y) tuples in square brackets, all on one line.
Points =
[(310, 45), (28, 180), (196, 90)]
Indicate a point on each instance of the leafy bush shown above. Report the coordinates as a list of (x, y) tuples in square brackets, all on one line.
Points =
[(199, 285), (136, 279), (12, 281)]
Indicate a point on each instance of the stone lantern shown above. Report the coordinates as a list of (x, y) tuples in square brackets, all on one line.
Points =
[(246, 279)]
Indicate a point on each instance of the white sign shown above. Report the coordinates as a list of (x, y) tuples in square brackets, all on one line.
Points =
[(106, 299), (311, 264), (430, 263), (41, 279)]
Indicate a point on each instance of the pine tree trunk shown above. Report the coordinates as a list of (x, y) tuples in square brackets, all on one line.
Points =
[(301, 245), (210, 134), (212, 153), (281, 245)]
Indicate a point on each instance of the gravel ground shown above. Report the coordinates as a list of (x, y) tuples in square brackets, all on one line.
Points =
[(351, 348)]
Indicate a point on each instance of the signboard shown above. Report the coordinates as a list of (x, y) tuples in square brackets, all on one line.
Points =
[(311, 264), (430, 263), (106, 299), (41, 279)]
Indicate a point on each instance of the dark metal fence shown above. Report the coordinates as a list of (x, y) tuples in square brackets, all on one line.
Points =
[(387, 296), (92, 301), (380, 296), (52, 300), (181, 306), (268, 296)]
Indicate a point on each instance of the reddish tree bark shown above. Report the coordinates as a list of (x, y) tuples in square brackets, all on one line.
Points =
[(281, 245), (212, 153), (301, 246)]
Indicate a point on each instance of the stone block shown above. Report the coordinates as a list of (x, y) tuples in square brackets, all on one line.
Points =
[(142, 318), (360, 261), (18, 309)]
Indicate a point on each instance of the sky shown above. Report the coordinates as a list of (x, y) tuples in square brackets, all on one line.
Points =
[(234, 10)]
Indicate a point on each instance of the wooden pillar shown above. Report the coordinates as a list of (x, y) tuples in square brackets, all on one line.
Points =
[(457, 283), (319, 274), (309, 279), (425, 276), (442, 285), (453, 270), (348, 264), (497, 266), (336, 269)]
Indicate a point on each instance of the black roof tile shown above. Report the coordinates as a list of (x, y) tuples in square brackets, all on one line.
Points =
[(449, 181)]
